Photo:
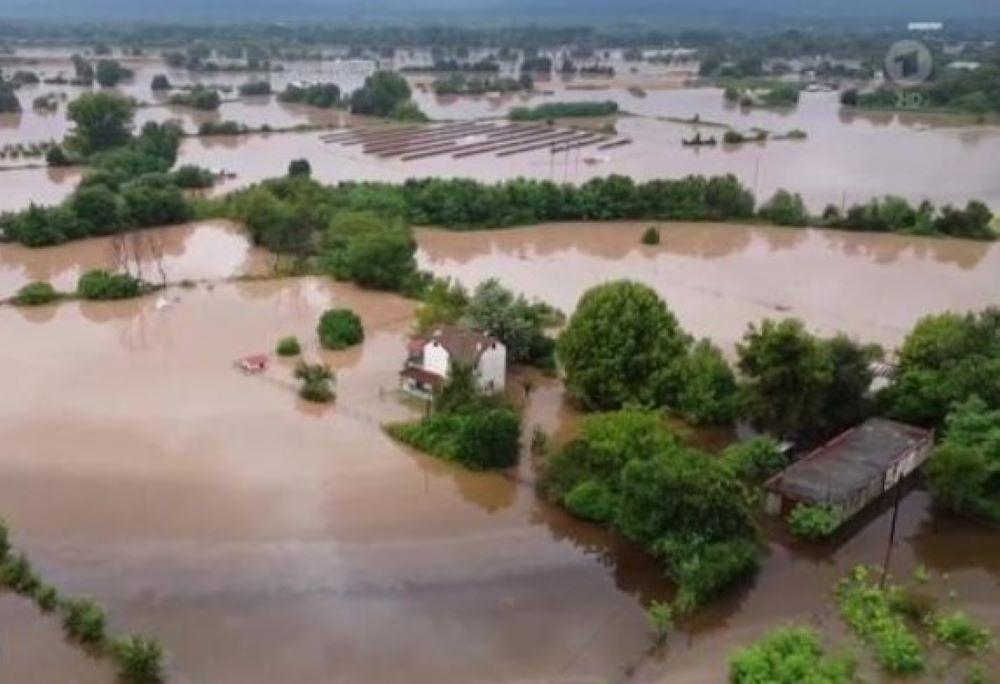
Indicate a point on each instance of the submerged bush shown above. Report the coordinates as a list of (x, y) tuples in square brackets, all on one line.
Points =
[(651, 236), (592, 501), (789, 655), (317, 380), (288, 346), (755, 459), (660, 616), (814, 521), (17, 574), (47, 597), (36, 294), (873, 612), (139, 659), (100, 285), (339, 329), (960, 633), (83, 620)]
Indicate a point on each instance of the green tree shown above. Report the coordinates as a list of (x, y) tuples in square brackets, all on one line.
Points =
[(299, 167), (339, 328), (964, 471), (512, 319), (100, 209), (708, 392), (382, 92), (102, 120), (9, 104), (846, 399), (622, 345), (110, 73), (946, 359), (785, 209), (787, 373)]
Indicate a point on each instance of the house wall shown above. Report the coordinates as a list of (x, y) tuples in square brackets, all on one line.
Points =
[(436, 359), (493, 368)]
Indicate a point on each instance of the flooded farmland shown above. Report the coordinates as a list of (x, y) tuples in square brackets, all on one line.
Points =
[(220, 513), (847, 157)]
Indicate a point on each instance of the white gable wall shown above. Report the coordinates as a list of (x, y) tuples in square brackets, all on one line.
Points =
[(493, 368), (436, 359)]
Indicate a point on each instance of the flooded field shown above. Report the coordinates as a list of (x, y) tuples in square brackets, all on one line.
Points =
[(219, 513), (847, 157)]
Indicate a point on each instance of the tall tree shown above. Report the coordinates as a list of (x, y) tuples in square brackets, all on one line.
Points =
[(103, 120), (622, 345), (788, 372)]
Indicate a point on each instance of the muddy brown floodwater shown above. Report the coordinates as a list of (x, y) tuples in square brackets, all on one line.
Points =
[(719, 277), (264, 540)]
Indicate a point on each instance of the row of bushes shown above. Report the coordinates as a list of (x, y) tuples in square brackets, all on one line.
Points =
[(139, 659), (322, 95), (885, 214), (562, 110)]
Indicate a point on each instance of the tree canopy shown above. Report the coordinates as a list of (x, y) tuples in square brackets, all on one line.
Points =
[(622, 345), (102, 120)]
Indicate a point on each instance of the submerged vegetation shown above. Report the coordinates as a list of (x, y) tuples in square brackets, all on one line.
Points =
[(467, 425), (628, 470), (789, 655), (139, 659), (562, 110), (339, 329)]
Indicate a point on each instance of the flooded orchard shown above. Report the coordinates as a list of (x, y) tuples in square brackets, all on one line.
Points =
[(220, 513)]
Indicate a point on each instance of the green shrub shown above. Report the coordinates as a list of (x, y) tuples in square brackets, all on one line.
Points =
[(339, 329), (873, 613), (4, 540), (47, 597), (789, 655), (479, 437), (299, 167), (703, 570), (139, 659), (100, 285), (192, 177), (960, 633), (755, 459), (814, 521), (35, 294), (592, 501), (317, 380), (660, 616), (558, 110), (17, 574), (651, 236), (83, 620), (288, 346), (977, 674)]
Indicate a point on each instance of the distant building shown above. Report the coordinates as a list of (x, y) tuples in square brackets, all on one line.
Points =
[(964, 66), (925, 26), (431, 357), (851, 470)]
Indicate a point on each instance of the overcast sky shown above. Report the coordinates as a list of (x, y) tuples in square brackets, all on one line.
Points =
[(523, 11)]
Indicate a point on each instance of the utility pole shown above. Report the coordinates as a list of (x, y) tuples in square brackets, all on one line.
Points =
[(892, 533)]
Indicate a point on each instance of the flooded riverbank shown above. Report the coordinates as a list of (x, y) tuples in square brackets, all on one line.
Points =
[(219, 513)]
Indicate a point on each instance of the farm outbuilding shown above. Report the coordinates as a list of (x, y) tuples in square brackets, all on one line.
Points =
[(853, 469)]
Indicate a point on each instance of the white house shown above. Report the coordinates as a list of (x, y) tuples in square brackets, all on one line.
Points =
[(431, 357)]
